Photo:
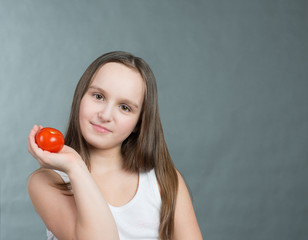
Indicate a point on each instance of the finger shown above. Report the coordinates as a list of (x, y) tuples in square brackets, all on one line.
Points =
[(32, 146), (34, 130), (30, 137), (40, 155)]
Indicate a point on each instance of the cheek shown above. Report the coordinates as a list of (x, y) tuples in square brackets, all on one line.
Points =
[(128, 125), (81, 112), (84, 112), (85, 108)]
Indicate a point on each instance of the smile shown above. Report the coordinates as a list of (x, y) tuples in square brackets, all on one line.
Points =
[(100, 129)]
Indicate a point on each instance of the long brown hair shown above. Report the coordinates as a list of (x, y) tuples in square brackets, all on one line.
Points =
[(145, 148)]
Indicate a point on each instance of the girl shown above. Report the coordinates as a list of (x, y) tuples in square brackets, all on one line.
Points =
[(114, 178)]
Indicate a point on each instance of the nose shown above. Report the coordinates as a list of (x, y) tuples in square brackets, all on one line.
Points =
[(106, 113)]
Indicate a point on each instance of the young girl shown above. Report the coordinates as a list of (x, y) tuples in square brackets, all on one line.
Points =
[(114, 178)]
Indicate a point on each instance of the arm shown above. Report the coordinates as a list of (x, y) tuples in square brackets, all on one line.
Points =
[(185, 221), (85, 215)]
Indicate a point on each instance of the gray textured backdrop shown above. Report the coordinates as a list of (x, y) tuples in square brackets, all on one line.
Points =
[(232, 79)]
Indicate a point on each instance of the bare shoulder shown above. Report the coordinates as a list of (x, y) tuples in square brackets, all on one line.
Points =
[(44, 180), (45, 175), (186, 224), (57, 209)]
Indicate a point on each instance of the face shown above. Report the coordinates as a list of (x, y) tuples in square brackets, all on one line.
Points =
[(110, 109)]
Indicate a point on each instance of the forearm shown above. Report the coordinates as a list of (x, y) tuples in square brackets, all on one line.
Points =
[(94, 218)]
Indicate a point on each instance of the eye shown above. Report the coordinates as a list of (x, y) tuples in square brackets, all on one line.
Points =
[(125, 108), (98, 96)]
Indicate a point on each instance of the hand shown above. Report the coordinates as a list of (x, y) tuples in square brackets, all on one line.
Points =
[(64, 160)]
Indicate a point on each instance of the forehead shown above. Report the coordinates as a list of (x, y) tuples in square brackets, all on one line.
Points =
[(120, 81)]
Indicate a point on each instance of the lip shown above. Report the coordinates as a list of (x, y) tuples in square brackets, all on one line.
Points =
[(100, 128)]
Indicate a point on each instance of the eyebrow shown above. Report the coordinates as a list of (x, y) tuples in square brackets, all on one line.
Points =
[(129, 102)]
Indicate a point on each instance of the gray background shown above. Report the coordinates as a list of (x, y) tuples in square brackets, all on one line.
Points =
[(232, 79)]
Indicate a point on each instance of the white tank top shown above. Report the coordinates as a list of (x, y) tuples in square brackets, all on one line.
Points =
[(139, 218)]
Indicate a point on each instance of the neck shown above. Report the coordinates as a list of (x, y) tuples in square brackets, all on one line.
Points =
[(103, 161)]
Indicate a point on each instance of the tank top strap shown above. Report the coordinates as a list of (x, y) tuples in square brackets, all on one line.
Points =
[(63, 175), (153, 184)]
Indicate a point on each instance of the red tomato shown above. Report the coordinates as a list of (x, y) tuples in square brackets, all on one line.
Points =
[(49, 139)]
